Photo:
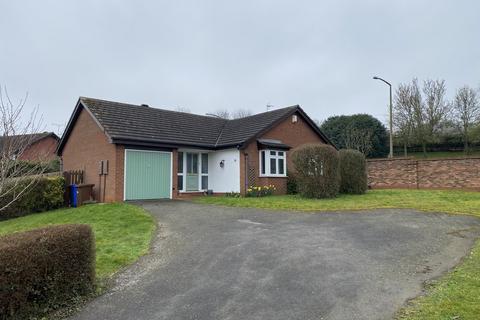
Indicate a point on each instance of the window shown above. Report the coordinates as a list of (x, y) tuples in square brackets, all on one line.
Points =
[(273, 163), (204, 171), (180, 171)]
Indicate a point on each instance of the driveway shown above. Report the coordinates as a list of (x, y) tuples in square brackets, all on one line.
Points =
[(233, 263)]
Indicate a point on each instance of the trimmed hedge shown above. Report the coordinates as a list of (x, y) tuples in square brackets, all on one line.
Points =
[(42, 269), (353, 172), (45, 194), (317, 171)]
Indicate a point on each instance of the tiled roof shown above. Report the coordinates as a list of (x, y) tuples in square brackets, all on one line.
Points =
[(140, 124)]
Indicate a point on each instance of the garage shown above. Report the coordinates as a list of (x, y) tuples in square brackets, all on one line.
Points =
[(148, 174)]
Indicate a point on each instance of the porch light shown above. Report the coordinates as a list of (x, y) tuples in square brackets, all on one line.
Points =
[(222, 163)]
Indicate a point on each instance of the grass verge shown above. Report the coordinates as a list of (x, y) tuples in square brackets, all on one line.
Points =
[(456, 202), (122, 231), (455, 295)]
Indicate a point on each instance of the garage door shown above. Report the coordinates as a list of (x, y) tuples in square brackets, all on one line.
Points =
[(148, 174)]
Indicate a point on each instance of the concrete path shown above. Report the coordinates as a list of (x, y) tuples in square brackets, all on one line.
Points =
[(231, 263)]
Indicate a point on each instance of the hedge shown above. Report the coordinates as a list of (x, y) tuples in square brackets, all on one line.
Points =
[(43, 269), (353, 172), (45, 194), (317, 171), (292, 183)]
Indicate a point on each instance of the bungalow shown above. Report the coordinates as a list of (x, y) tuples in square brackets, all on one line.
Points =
[(33, 147), (135, 152)]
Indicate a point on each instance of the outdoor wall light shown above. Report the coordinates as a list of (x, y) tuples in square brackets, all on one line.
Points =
[(222, 163)]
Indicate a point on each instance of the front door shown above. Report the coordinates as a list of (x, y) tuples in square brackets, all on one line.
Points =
[(192, 172)]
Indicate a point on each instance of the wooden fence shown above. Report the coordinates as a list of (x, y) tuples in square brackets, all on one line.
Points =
[(74, 177)]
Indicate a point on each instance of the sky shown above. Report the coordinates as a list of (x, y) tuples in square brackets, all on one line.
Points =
[(210, 55)]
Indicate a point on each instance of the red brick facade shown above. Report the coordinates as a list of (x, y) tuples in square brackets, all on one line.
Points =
[(41, 150), (290, 133), (87, 145), (453, 173)]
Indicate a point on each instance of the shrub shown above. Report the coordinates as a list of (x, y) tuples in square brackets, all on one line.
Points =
[(291, 184), (232, 194), (33, 166), (45, 194), (260, 191), (43, 269), (353, 172), (317, 171)]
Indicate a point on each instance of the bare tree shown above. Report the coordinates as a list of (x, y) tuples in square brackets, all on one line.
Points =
[(436, 109), (241, 113), (466, 107), (18, 132), (419, 117), (221, 113), (182, 109), (408, 115), (359, 139)]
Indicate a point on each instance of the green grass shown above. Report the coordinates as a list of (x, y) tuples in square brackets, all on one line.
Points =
[(122, 231), (440, 154), (453, 296), (457, 202)]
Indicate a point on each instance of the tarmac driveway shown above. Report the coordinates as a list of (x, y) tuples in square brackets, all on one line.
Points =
[(230, 263)]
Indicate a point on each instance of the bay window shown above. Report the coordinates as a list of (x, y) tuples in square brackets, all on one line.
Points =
[(273, 163)]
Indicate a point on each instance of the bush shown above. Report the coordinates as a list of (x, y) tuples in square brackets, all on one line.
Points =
[(33, 166), (317, 168), (291, 184), (232, 194), (45, 194), (260, 191), (346, 131), (43, 269), (353, 172)]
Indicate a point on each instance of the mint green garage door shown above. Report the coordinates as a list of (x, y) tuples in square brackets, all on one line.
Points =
[(148, 174)]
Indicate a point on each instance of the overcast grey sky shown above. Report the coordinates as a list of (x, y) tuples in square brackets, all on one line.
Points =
[(207, 55)]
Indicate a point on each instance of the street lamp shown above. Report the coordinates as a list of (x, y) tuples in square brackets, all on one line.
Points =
[(390, 155)]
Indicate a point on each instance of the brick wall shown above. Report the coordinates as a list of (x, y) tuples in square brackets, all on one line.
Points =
[(451, 173), (292, 134), (43, 149), (86, 146)]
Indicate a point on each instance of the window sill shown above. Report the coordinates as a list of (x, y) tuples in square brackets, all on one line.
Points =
[(272, 176)]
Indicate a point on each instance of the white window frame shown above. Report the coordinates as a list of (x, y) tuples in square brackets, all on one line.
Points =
[(268, 157), (199, 170)]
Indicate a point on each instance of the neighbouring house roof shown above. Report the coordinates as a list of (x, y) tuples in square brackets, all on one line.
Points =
[(29, 139), (125, 123)]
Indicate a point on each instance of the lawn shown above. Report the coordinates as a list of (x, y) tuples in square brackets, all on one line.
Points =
[(457, 202), (122, 231), (439, 154), (455, 295)]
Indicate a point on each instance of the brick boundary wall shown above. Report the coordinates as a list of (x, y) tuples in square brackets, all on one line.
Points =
[(447, 173)]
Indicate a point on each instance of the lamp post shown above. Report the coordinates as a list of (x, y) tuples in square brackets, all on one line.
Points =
[(390, 155)]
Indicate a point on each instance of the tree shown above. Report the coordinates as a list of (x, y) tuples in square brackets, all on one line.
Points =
[(407, 113), (437, 108), (420, 117), (18, 133), (361, 132), (221, 113), (237, 114), (466, 108), (359, 139), (183, 109), (241, 113)]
